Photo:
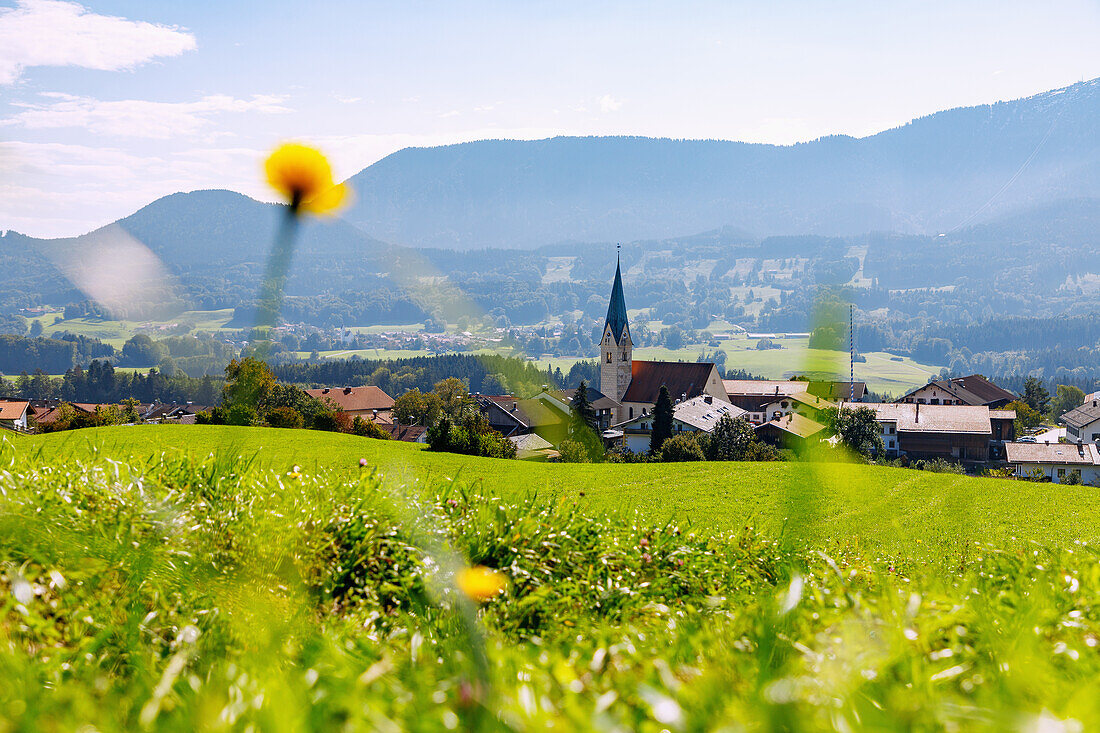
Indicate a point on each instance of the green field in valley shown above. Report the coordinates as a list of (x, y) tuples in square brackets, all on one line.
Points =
[(879, 509)]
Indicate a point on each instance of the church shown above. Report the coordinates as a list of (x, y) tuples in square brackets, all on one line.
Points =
[(633, 384)]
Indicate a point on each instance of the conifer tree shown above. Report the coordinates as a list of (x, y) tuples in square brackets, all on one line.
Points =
[(662, 421)]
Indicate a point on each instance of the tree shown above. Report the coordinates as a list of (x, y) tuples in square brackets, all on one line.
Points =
[(1026, 417), (662, 421), (730, 439), (581, 407), (453, 396), (583, 423), (141, 350), (1036, 395), (248, 382), (1066, 398), (36, 328), (416, 408), (857, 428)]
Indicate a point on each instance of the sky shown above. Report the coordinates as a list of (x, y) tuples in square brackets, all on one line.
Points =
[(107, 106)]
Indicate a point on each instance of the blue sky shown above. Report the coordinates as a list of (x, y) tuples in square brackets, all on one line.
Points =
[(105, 106)]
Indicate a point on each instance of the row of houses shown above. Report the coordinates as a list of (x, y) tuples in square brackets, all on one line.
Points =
[(26, 415)]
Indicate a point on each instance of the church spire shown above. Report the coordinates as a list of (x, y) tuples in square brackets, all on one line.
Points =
[(616, 308)]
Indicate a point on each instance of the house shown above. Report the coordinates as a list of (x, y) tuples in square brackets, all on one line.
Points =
[(765, 400), (603, 405), (698, 414), (837, 391), (790, 431), (635, 385), (368, 402), (959, 432), (13, 414), (503, 414), (1083, 423), (972, 390), (532, 446), (1056, 461), (407, 433)]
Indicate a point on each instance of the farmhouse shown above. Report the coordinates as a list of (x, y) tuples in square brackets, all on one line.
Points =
[(790, 431), (13, 415), (959, 432), (1083, 423), (1055, 461), (698, 414), (368, 402), (972, 390), (635, 385), (766, 400)]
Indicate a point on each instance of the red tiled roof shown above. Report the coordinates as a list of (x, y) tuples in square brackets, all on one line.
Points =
[(354, 398), (683, 378), (12, 410)]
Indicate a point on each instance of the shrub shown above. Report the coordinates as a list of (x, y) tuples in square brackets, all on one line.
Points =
[(284, 417), (241, 415), (1073, 478), (682, 447), (368, 429), (573, 452)]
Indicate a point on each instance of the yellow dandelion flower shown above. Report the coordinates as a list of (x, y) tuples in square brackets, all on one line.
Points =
[(480, 583), (304, 177)]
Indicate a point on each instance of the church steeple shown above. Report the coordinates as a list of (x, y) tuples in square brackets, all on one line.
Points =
[(616, 346), (616, 308)]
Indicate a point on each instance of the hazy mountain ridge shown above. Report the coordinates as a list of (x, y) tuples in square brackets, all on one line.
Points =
[(931, 175)]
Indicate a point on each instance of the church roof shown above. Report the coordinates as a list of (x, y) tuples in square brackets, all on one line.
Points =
[(616, 308), (684, 379)]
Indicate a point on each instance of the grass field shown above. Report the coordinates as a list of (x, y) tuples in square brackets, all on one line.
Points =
[(117, 333), (158, 578), (878, 509)]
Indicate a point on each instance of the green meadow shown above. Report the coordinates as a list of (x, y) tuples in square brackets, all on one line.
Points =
[(205, 578), (876, 508)]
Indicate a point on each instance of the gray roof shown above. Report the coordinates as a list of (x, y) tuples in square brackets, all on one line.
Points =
[(794, 424), (911, 417), (699, 413), (1064, 453), (1084, 415), (616, 308)]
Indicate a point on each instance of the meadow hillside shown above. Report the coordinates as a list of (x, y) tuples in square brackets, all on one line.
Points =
[(151, 587), (869, 508)]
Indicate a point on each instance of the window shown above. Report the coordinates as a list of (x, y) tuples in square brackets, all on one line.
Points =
[(609, 357), (890, 444), (631, 414), (645, 426), (1061, 473), (624, 355)]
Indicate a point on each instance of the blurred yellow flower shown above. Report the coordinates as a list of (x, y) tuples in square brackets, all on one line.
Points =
[(480, 583), (303, 175)]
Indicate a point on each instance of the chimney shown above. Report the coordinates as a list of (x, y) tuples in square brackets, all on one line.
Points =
[(917, 419), (709, 400), (324, 391), (347, 390)]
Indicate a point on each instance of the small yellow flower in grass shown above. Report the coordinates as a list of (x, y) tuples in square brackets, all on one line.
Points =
[(303, 175), (480, 583)]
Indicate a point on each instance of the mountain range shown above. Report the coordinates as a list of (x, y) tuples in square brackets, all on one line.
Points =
[(932, 175)]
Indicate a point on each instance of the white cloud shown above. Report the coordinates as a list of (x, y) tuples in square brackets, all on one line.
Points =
[(136, 117), (56, 33), (609, 103)]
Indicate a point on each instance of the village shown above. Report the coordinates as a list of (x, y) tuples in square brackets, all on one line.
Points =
[(968, 421)]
